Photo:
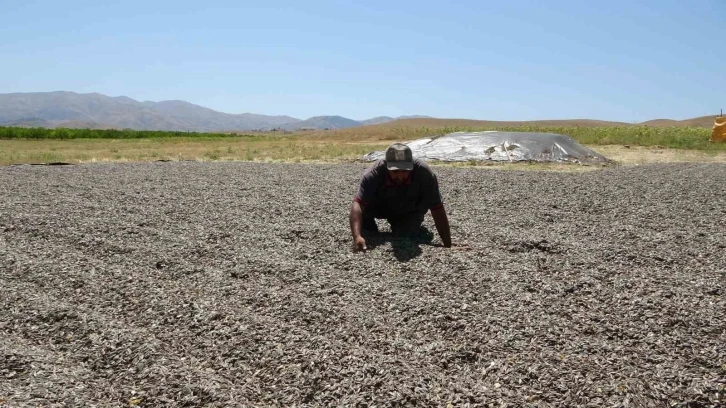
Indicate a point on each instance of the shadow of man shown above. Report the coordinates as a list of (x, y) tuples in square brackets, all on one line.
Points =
[(405, 247)]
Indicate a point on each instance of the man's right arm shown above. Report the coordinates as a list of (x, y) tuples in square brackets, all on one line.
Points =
[(356, 221), (366, 193)]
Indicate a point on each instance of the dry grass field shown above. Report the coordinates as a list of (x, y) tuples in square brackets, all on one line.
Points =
[(287, 149), (621, 143), (316, 149)]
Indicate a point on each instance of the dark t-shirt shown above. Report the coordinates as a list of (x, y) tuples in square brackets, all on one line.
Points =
[(418, 194)]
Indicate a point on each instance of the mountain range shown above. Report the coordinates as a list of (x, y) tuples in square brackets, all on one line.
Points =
[(97, 111)]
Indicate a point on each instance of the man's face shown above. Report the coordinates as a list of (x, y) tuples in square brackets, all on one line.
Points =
[(399, 176)]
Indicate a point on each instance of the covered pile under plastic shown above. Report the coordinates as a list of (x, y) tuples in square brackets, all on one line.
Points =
[(500, 146)]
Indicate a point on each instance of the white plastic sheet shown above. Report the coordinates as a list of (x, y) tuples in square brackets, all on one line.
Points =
[(499, 146)]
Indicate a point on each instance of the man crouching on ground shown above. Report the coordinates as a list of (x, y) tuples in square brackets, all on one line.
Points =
[(401, 190)]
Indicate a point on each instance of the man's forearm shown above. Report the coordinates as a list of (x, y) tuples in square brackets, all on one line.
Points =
[(356, 219), (442, 225)]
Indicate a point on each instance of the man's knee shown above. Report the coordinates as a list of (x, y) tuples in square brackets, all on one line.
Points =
[(370, 213), (408, 225), (369, 224)]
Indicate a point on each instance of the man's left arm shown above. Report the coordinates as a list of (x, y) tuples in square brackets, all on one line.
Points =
[(435, 203), (441, 220)]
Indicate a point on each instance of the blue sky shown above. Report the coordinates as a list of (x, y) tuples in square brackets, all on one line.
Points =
[(501, 60)]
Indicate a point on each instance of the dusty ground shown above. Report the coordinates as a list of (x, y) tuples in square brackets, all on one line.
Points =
[(232, 284), (637, 155)]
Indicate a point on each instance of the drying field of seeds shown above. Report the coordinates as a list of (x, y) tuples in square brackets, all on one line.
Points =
[(233, 284)]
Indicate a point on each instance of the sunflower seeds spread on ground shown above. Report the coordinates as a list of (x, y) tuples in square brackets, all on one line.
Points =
[(234, 284)]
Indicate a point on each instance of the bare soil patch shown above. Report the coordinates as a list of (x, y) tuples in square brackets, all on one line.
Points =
[(233, 284), (636, 155)]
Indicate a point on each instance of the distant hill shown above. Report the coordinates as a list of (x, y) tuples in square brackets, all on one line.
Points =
[(56, 109), (377, 120), (385, 119), (339, 122), (437, 122), (323, 122), (97, 111), (208, 119), (702, 121)]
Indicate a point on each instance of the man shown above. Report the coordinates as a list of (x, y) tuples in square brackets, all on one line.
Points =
[(402, 190)]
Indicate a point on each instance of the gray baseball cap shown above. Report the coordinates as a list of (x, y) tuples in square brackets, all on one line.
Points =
[(399, 157)]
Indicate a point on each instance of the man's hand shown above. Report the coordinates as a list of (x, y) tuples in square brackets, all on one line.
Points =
[(359, 244)]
